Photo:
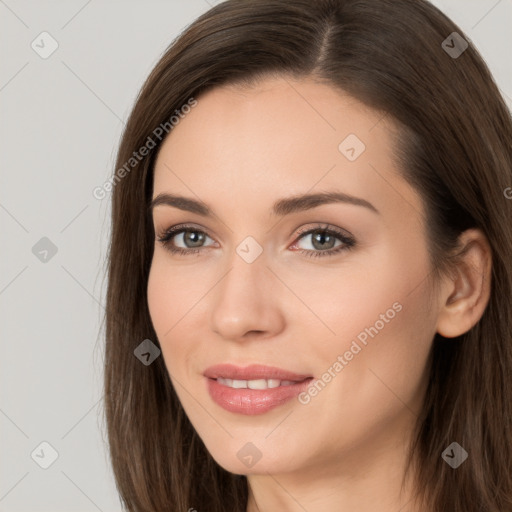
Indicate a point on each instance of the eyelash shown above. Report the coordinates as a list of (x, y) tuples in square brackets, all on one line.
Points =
[(347, 241)]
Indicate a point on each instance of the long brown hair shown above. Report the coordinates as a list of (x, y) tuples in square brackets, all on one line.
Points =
[(455, 148)]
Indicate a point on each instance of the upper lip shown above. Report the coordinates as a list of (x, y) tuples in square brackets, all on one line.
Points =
[(252, 372)]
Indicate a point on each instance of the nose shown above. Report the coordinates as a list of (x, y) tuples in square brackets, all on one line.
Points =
[(247, 302)]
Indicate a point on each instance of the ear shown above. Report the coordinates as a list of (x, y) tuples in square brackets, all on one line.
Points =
[(465, 294)]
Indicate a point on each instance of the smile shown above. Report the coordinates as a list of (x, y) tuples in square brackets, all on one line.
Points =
[(254, 384), (253, 389)]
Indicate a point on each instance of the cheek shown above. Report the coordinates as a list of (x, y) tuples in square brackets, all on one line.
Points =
[(388, 278), (159, 298), (171, 292), (383, 330), (386, 374), (174, 297), (377, 385), (362, 297), (165, 307)]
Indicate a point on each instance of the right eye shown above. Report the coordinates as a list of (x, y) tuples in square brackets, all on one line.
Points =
[(189, 235)]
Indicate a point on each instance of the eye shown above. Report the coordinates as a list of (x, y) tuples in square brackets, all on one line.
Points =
[(323, 240), (191, 237)]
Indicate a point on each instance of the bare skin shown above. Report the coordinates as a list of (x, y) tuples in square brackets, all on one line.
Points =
[(239, 151)]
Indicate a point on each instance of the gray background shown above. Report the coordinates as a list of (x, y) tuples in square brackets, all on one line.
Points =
[(61, 120)]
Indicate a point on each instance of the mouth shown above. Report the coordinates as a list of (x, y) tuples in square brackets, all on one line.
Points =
[(254, 389), (255, 384), (253, 372)]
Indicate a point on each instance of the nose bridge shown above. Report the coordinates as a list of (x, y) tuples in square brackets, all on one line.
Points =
[(247, 270), (242, 300), (245, 282)]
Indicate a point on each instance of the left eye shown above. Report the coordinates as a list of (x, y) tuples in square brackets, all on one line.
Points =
[(323, 240)]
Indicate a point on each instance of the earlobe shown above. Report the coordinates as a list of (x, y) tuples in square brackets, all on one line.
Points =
[(466, 292)]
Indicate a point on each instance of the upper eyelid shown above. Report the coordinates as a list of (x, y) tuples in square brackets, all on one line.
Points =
[(179, 228)]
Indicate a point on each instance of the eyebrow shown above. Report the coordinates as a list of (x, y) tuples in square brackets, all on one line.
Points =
[(281, 207)]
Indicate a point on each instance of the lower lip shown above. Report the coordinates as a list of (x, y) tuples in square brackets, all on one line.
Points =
[(253, 401)]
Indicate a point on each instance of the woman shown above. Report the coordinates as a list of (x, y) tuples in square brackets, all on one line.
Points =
[(309, 275)]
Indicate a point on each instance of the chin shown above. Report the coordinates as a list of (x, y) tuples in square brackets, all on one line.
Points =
[(243, 457)]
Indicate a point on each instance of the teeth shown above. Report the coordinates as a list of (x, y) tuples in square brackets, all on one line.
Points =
[(254, 384), (239, 384)]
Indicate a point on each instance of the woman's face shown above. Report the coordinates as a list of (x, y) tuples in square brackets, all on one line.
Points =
[(345, 313)]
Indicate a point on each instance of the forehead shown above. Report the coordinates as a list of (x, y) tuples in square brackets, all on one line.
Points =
[(278, 138)]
